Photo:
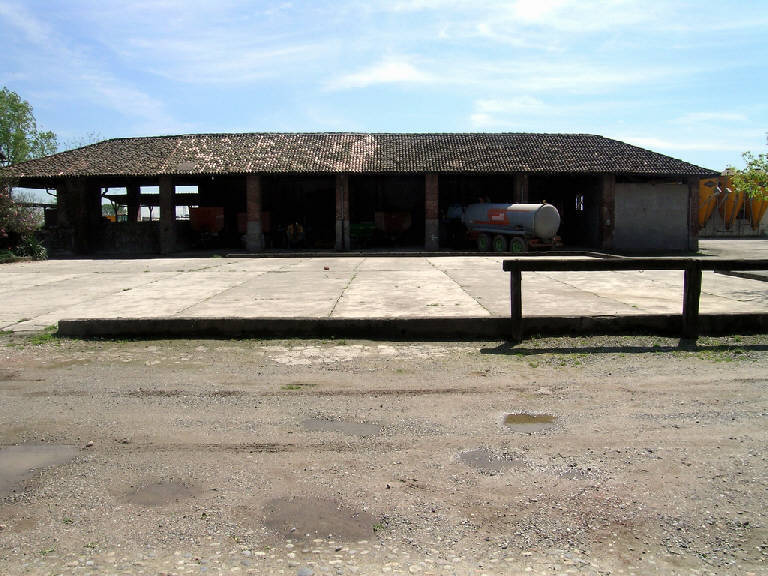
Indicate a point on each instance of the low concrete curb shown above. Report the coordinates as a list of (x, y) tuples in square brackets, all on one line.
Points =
[(401, 328)]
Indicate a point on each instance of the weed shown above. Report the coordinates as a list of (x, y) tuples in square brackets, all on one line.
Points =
[(296, 386), (67, 520), (47, 336), (378, 527), (47, 551)]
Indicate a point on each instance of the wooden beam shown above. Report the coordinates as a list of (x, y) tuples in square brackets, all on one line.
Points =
[(691, 295)]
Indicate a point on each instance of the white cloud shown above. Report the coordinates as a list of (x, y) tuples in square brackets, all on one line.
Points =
[(688, 144), (389, 71), (710, 117), (213, 43), (78, 74), (514, 112)]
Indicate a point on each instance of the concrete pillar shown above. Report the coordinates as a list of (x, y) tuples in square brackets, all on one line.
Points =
[(607, 210), (431, 212), (132, 192), (167, 215), (254, 235), (520, 192), (342, 211), (693, 214)]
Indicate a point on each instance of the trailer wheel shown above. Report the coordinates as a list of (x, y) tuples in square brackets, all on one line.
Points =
[(483, 242), (517, 244), (499, 243)]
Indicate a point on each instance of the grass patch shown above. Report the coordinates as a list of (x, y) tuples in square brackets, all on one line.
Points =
[(47, 336), (6, 256), (296, 386)]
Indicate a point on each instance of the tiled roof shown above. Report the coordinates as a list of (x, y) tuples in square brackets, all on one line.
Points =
[(354, 153)]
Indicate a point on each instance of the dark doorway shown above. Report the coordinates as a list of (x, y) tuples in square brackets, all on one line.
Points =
[(386, 211), (299, 211), (577, 198)]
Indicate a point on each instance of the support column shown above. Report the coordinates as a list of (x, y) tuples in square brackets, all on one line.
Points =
[(83, 207), (64, 205), (520, 192), (342, 212), (254, 235), (607, 211), (693, 214), (167, 215), (431, 213), (132, 192)]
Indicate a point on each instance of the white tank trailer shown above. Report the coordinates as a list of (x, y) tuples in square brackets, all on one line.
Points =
[(512, 227)]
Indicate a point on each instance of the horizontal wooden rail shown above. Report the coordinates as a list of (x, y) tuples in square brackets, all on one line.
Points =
[(692, 268)]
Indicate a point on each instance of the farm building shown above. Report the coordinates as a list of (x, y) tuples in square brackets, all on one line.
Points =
[(356, 191)]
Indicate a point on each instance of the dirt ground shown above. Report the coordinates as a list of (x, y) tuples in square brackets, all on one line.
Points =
[(601, 455)]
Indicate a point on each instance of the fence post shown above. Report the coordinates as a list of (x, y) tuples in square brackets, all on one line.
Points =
[(691, 295), (516, 302)]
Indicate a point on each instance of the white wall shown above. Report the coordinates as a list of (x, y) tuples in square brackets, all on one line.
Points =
[(651, 217)]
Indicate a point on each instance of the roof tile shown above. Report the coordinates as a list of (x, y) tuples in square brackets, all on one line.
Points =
[(211, 154)]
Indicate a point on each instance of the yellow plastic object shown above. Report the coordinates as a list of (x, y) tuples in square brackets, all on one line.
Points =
[(707, 199), (731, 203), (757, 209)]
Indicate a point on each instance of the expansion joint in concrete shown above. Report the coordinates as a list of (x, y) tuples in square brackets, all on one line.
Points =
[(452, 279), (346, 286)]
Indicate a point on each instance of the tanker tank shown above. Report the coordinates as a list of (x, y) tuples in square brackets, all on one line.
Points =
[(538, 220)]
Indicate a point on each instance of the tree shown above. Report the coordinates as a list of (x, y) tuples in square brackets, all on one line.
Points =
[(20, 140), (19, 137), (753, 179)]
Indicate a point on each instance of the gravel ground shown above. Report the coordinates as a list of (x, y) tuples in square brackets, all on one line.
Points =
[(622, 455)]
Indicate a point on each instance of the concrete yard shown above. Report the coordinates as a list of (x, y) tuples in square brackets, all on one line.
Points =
[(34, 295)]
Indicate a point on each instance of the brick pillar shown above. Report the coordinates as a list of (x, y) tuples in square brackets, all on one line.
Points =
[(167, 215), (254, 235), (431, 213), (132, 192), (520, 193), (693, 214), (607, 210), (342, 211)]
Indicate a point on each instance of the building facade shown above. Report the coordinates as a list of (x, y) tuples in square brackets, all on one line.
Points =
[(357, 191)]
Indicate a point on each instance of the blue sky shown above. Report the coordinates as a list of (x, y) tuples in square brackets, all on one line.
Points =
[(687, 79)]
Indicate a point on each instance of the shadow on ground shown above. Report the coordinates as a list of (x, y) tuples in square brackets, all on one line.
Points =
[(510, 349)]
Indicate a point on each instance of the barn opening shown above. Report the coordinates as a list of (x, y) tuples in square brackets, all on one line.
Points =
[(386, 211), (299, 211), (577, 199)]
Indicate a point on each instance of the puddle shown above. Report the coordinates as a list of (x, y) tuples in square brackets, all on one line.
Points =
[(297, 518), (350, 428), (528, 422), (18, 463), (488, 461), (161, 493)]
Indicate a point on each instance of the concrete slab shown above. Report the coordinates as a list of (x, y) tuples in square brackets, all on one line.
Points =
[(37, 294)]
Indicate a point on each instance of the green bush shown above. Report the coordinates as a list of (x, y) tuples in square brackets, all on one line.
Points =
[(18, 225)]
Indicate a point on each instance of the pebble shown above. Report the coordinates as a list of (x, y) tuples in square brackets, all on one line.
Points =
[(304, 571)]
